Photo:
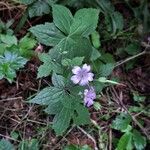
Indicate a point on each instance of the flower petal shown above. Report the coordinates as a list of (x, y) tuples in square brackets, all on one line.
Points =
[(75, 79), (76, 70), (85, 92), (83, 81), (88, 102), (90, 76), (86, 67)]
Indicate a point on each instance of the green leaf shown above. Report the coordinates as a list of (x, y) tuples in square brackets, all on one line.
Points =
[(47, 96), (38, 8), (85, 147), (106, 6), (71, 147), (67, 100), (6, 145), (63, 104), (26, 44), (133, 48), (76, 46), (138, 98), (96, 39), (9, 64), (125, 142), (9, 40), (82, 116), (121, 122), (117, 19), (114, 22), (32, 144), (54, 108), (47, 34), (95, 54), (62, 120), (106, 69), (139, 140), (58, 81), (82, 25), (48, 66), (62, 18), (107, 58), (27, 2), (14, 135), (77, 61)]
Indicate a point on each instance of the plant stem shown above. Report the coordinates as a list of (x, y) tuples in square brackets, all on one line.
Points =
[(130, 58), (145, 51)]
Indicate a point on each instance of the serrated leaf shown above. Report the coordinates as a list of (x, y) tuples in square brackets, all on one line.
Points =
[(58, 81), (67, 100), (9, 64), (69, 47), (48, 66), (106, 69), (38, 8), (139, 140), (63, 104), (47, 96), (26, 44), (81, 24), (125, 142), (62, 18), (9, 40), (77, 61), (6, 145), (107, 58), (54, 108), (95, 54), (121, 122), (82, 117), (62, 120), (47, 34)]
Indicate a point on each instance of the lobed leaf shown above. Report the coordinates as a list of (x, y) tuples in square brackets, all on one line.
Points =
[(62, 18), (82, 25), (47, 34)]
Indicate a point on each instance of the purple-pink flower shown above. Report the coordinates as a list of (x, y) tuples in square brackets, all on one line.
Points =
[(83, 75), (89, 96)]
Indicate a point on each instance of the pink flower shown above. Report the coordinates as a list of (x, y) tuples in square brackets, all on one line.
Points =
[(82, 76)]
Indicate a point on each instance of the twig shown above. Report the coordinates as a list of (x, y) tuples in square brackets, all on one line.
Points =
[(130, 58), (89, 136), (145, 51), (63, 138), (110, 139), (7, 137), (37, 122), (11, 99)]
